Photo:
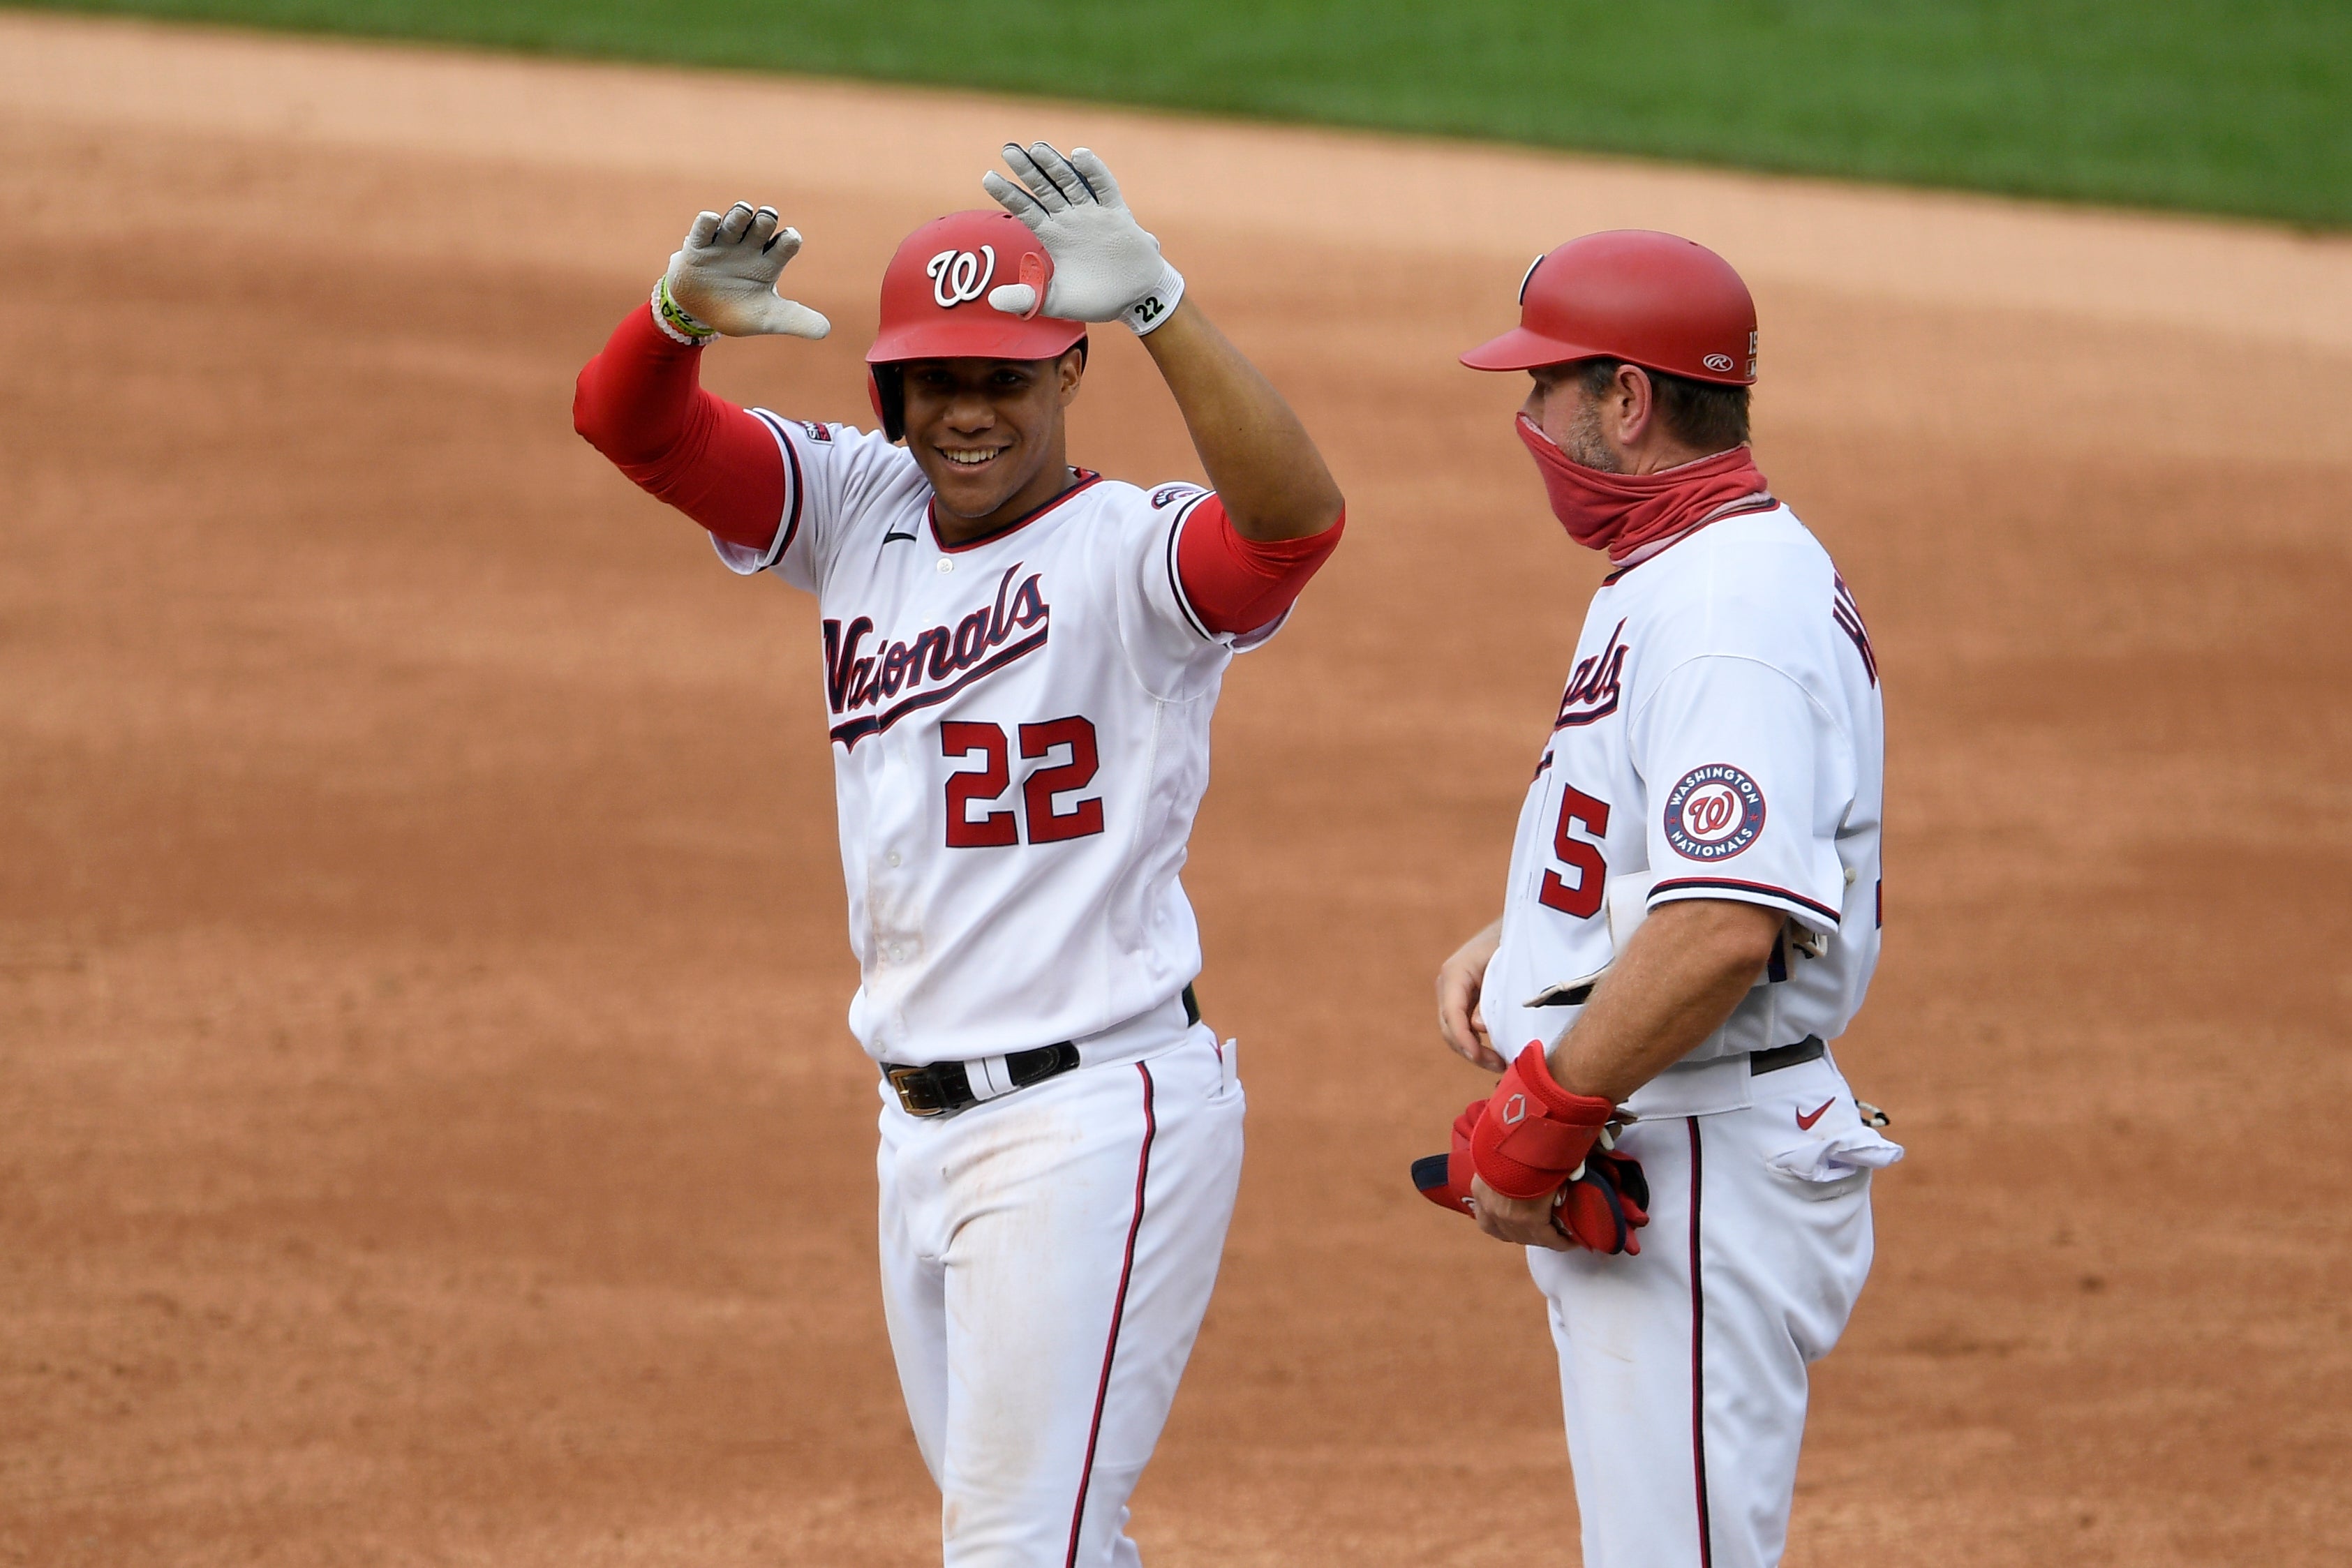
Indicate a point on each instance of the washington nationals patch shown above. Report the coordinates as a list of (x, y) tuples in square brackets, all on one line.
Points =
[(1715, 812)]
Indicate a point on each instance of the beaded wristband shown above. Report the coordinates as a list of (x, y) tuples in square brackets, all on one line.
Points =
[(675, 323)]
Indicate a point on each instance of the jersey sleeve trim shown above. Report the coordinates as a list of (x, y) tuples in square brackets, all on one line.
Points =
[(1175, 577), (1819, 916), (1231, 585), (790, 524)]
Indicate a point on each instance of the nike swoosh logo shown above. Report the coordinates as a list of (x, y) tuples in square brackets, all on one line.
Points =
[(1805, 1123)]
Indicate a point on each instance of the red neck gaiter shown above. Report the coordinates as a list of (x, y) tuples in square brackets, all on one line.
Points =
[(1621, 513)]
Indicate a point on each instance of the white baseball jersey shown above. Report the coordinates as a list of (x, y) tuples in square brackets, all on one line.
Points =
[(1720, 737), (1020, 738)]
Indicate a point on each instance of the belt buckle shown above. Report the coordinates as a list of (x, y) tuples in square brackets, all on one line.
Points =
[(918, 1090)]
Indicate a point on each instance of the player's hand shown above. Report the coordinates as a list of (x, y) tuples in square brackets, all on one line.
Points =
[(724, 275), (1106, 266), (1461, 979), (1522, 1221)]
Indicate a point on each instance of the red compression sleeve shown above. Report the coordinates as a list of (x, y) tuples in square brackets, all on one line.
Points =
[(640, 402), (1238, 584)]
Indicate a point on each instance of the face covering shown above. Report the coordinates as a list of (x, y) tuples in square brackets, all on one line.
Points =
[(1625, 513)]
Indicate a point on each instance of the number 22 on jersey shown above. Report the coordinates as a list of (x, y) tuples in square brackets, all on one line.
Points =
[(980, 787)]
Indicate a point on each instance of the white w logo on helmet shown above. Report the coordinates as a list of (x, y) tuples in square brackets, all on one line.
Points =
[(958, 275)]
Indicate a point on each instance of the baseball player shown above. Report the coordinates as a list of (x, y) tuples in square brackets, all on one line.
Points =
[(1020, 658), (1692, 916)]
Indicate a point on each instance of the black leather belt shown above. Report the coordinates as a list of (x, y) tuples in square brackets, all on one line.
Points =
[(1809, 1049), (944, 1088)]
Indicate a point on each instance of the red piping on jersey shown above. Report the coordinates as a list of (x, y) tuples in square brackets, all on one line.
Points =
[(1732, 884), (1117, 1312), (1698, 1356), (1086, 477), (640, 402)]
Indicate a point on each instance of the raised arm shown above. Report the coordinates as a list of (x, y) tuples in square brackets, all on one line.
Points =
[(1272, 481), (640, 402), (1267, 472)]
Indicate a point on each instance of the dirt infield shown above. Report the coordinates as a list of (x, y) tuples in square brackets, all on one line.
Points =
[(431, 1135)]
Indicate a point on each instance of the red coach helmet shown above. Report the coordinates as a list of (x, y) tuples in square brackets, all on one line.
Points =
[(1657, 300), (935, 302)]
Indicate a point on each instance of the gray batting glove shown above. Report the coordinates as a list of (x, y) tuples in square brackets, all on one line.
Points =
[(723, 279), (1106, 266)]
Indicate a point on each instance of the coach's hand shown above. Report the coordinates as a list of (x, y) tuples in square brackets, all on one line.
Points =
[(1525, 1221), (1460, 981), (1106, 266), (724, 276)]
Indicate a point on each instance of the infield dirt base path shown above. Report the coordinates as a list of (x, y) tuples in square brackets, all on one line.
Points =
[(430, 1132)]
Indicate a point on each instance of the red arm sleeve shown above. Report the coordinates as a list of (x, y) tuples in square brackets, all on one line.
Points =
[(640, 402), (1237, 584)]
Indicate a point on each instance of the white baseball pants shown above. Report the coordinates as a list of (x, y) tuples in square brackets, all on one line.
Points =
[(1047, 1260), (1682, 1371)]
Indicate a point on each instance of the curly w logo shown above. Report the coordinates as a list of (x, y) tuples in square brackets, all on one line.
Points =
[(959, 276)]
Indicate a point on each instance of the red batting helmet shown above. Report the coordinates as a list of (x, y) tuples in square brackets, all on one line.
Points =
[(935, 303), (1657, 300)]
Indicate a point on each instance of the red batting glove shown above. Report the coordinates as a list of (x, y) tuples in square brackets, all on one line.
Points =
[(1603, 1208), (1535, 1134), (1600, 1210)]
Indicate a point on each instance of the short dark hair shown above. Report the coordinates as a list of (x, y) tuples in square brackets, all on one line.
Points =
[(1706, 415)]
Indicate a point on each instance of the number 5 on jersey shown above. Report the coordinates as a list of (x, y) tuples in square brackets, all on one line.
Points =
[(969, 787), (1577, 811)]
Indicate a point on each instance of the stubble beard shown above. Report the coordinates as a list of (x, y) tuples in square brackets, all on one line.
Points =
[(1584, 443)]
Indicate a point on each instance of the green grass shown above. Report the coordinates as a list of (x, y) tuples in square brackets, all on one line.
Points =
[(2226, 106)]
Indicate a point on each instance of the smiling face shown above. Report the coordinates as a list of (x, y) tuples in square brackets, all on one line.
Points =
[(988, 434)]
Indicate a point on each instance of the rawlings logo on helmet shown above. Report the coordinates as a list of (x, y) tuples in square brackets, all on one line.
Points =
[(1718, 361), (959, 276)]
